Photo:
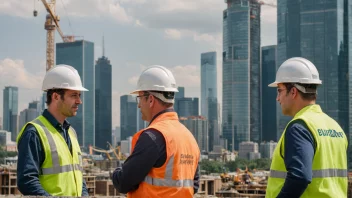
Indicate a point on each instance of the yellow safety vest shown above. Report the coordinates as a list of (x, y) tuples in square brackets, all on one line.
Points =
[(61, 171), (329, 168)]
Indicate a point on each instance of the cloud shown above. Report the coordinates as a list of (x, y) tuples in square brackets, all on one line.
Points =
[(187, 75), (14, 73), (173, 34), (200, 16), (133, 80)]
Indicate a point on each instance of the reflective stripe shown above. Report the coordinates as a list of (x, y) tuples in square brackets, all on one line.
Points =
[(316, 173), (330, 173), (53, 149), (168, 182), (55, 155), (278, 174), (61, 169), (169, 168)]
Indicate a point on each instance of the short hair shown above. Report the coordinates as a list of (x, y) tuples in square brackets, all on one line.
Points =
[(50, 92), (305, 96)]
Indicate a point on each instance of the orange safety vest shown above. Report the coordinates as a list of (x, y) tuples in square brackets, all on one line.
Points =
[(175, 178)]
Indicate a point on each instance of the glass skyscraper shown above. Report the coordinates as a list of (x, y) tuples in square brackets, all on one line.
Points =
[(268, 112), (320, 31), (10, 111), (241, 72), (80, 55), (209, 96), (128, 116), (103, 102)]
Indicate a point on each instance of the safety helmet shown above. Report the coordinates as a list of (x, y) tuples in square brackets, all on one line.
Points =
[(297, 70), (159, 79), (62, 77)]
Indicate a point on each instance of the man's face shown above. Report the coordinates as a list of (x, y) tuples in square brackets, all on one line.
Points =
[(68, 106), (144, 105), (284, 98)]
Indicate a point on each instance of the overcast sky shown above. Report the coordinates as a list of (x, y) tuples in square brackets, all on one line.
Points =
[(138, 33)]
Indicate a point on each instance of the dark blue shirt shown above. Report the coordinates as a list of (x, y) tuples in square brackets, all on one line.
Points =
[(149, 152), (31, 156), (299, 153)]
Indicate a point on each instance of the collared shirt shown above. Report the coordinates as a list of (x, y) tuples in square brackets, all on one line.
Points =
[(150, 150), (31, 156)]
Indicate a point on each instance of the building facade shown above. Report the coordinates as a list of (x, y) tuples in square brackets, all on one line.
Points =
[(80, 55)]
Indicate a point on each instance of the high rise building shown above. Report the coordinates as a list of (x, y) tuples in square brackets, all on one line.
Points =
[(180, 93), (29, 114), (320, 31), (241, 72), (80, 55), (208, 80), (128, 116), (10, 111), (209, 96), (267, 149), (187, 107), (198, 126), (103, 101), (268, 106)]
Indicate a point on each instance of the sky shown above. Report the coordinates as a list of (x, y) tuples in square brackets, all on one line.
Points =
[(138, 34)]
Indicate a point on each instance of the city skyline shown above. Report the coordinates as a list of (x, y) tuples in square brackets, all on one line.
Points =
[(131, 45)]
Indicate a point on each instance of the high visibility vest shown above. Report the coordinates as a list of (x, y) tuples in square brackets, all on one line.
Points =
[(329, 168), (61, 171), (175, 178)]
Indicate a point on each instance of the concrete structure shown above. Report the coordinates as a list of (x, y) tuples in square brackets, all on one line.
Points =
[(198, 126), (267, 149), (248, 150)]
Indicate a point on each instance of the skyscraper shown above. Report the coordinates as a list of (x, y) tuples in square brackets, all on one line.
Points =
[(198, 126), (320, 31), (29, 114), (209, 95), (10, 111), (80, 55), (103, 101), (180, 93), (241, 72), (208, 80), (128, 116), (268, 106), (187, 107)]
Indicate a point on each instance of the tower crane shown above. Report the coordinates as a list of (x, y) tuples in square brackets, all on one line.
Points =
[(52, 23)]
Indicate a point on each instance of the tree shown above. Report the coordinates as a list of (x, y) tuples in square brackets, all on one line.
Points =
[(211, 166)]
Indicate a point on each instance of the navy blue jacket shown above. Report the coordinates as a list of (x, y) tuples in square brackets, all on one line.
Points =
[(31, 156), (149, 152), (298, 157)]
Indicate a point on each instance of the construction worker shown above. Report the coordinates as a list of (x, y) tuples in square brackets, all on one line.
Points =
[(49, 156), (310, 157), (165, 155)]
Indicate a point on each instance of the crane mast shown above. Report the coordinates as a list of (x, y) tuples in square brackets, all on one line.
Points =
[(50, 34), (52, 24)]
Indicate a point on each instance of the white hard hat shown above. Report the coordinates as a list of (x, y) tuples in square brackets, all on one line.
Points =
[(156, 78), (62, 77), (297, 70)]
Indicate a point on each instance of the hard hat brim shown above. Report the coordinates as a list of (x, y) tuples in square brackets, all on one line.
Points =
[(274, 84)]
